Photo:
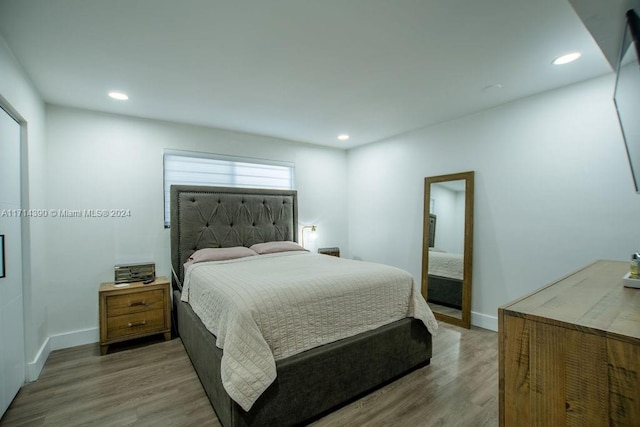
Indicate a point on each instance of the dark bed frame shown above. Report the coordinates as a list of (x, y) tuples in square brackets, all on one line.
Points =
[(445, 291), (309, 384)]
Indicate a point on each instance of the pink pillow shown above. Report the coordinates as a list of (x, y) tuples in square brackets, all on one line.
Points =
[(272, 247), (220, 254)]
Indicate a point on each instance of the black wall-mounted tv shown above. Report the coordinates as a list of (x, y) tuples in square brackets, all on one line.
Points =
[(627, 93)]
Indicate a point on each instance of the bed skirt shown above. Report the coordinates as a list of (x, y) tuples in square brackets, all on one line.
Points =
[(312, 383)]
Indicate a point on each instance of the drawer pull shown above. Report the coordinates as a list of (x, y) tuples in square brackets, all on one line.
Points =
[(134, 324), (131, 304)]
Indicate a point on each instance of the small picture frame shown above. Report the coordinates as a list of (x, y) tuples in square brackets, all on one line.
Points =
[(3, 272)]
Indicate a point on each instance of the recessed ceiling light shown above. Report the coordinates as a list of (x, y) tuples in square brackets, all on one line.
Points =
[(565, 59), (120, 96), (343, 137)]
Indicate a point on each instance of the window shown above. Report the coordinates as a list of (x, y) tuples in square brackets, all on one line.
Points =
[(190, 168)]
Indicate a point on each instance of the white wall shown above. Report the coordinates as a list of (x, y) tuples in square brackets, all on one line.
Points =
[(18, 95), (553, 192), (105, 161)]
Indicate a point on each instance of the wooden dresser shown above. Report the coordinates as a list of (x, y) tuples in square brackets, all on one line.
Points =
[(569, 353), (133, 311)]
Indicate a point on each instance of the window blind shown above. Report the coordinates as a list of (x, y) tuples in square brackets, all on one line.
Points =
[(189, 168)]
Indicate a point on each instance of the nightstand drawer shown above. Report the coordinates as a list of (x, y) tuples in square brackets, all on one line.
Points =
[(135, 324), (118, 305)]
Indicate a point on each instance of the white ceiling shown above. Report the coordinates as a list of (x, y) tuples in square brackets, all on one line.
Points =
[(299, 70)]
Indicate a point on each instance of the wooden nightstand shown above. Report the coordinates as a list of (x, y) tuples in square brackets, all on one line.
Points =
[(133, 311), (330, 251)]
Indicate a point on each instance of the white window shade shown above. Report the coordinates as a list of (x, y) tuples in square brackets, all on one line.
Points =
[(189, 168)]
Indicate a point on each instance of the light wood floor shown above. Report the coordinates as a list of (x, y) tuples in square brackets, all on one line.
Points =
[(155, 385)]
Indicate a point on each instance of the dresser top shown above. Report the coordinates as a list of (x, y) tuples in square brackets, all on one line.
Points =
[(592, 300), (111, 286)]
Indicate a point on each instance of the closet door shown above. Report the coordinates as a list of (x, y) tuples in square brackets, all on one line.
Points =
[(12, 356)]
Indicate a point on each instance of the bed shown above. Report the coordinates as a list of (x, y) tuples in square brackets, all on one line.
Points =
[(310, 383)]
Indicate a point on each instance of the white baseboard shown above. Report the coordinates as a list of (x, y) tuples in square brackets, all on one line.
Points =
[(484, 321), (58, 342), (75, 338), (34, 368)]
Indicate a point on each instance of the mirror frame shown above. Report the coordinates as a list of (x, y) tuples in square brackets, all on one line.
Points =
[(626, 89), (468, 177)]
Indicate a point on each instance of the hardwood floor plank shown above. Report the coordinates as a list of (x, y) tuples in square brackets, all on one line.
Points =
[(155, 385)]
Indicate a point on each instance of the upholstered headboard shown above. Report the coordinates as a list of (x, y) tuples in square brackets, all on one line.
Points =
[(222, 217)]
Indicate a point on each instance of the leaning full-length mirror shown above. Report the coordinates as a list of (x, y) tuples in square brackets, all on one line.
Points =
[(448, 246)]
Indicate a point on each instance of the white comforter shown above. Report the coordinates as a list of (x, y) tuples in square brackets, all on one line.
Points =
[(267, 307), (444, 264)]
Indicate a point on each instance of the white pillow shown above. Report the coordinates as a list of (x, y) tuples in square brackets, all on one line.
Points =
[(220, 254), (273, 247)]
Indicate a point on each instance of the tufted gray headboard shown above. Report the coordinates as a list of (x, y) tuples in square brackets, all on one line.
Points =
[(222, 217)]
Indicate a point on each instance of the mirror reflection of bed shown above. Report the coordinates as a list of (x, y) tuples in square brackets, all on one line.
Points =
[(445, 281), (447, 246)]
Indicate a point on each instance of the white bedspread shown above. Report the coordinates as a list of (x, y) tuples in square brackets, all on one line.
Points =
[(444, 264), (268, 307)]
